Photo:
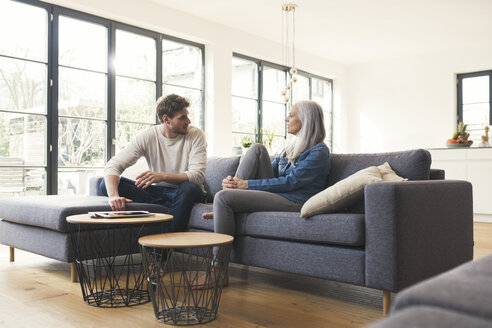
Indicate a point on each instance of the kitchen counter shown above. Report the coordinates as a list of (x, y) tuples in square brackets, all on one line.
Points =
[(473, 164)]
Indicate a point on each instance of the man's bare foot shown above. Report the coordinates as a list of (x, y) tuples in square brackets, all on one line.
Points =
[(208, 281), (208, 215)]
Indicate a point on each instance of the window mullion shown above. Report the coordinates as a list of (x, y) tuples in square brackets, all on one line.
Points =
[(288, 104), (111, 110), (331, 113), (460, 100), (53, 32), (310, 88), (203, 88), (159, 71), (490, 97), (259, 124)]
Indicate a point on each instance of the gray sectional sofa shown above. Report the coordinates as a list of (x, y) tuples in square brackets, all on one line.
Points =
[(38, 224), (399, 234), (458, 298)]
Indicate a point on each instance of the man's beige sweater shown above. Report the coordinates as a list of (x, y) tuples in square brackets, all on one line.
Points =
[(183, 154)]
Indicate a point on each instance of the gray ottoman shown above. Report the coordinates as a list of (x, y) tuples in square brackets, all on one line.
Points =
[(458, 298), (38, 224), (429, 316), (466, 289)]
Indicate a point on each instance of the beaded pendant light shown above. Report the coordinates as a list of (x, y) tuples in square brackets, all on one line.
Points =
[(288, 47)]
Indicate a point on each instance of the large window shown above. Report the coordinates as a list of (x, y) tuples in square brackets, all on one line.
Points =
[(82, 103), (182, 73), (76, 88), (273, 109), (474, 102), (135, 68), (23, 99), (244, 99), (258, 110)]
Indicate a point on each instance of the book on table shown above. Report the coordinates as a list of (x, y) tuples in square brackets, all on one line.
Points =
[(119, 214)]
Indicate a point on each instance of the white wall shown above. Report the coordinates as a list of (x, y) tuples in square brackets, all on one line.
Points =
[(408, 102), (220, 41)]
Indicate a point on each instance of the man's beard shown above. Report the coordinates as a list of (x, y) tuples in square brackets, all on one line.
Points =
[(181, 131)]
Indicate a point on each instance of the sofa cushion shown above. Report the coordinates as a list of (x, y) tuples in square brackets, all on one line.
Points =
[(428, 316), (344, 193), (50, 212), (217, 169), (196, 221), (465, 289), (387, 173), (341, 228), (411, 164)]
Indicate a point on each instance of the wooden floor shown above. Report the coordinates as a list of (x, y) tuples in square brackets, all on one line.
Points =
[(37, 292)]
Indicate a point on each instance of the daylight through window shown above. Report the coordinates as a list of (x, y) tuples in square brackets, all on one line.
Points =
[(76, 88)]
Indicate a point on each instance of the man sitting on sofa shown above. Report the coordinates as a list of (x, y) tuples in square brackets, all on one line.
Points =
[(176, 154)]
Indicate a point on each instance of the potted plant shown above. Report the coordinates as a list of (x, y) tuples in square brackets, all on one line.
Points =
[(246, 142), (268, 136)]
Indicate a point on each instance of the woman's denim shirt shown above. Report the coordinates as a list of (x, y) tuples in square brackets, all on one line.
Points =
[(300, 181)]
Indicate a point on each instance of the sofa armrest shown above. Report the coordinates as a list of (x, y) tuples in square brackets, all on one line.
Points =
[(94, 184), (437, 174), (415, 230)]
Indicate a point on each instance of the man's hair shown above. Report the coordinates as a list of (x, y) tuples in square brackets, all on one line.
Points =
[(312, 130), (170, 105)]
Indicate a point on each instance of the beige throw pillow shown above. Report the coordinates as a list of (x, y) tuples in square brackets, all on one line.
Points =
[(388, 174), (342, 194)]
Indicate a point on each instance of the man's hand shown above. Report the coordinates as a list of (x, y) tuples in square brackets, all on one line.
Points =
[(118, 203), (147, 178), (234, 183)]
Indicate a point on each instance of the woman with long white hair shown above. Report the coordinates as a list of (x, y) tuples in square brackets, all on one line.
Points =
[(299, 172)]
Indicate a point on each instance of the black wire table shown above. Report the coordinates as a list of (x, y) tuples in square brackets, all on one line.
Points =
[(185, 274), (108, 259)]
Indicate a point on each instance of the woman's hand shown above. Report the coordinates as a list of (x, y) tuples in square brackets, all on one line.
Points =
[(234, 183), (240, 183), (229, 183)]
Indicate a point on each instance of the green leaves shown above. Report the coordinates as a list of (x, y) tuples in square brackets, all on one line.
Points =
[(462, 128)]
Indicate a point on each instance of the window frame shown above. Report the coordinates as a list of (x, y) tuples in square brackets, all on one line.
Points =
[(52, 115), (260, 65), (49, 99), (459, 83), (258, 88)]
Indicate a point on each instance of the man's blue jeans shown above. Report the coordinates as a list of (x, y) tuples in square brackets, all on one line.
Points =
[(179, 200)]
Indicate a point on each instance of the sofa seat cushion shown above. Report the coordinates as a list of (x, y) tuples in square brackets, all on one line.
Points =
[(340, 228), (429, 316), (50, 212), (465, 289)]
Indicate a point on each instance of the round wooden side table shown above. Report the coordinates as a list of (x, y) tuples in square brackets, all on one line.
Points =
[(185, 273), (108, 259)]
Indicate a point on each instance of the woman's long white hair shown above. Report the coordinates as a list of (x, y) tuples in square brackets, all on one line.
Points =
[(312, 130)]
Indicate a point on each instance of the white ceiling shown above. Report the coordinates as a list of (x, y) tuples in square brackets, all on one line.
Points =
[(354, 31)]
